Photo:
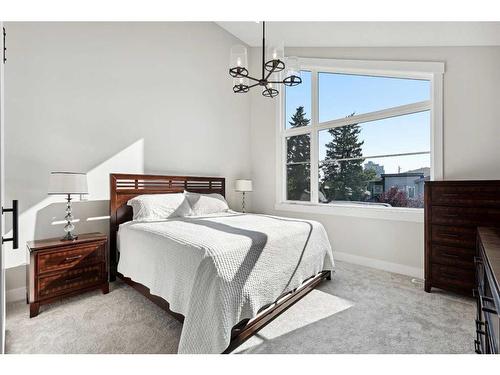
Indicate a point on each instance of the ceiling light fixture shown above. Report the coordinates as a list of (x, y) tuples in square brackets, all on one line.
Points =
[(241, 78)]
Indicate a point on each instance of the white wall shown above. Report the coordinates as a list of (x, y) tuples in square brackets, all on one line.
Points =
[(471, 149), (156, 98), (115, 97)]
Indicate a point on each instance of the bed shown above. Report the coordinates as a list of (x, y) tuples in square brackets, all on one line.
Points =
[(224, 275)]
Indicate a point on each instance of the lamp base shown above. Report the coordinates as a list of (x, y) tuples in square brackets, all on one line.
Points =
[(69, 237), (69, 227), (243, 202)]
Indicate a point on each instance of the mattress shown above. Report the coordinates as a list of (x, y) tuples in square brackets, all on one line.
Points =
[(217, 270)]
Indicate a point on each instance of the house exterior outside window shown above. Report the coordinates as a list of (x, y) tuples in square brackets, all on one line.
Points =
[(360, 133)]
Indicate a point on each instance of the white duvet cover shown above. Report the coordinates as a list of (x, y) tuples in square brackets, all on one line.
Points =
[(219, 269)]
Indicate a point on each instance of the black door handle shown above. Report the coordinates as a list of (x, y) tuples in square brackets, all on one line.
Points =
[(15, 222)]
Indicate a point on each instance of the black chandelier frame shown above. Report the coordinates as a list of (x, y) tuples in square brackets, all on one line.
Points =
[(268, 68)]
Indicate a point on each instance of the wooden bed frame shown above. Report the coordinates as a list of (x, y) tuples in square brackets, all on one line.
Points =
[(126, 186)]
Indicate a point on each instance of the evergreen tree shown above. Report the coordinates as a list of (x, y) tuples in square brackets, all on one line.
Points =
[(345, 180), (298, 159)]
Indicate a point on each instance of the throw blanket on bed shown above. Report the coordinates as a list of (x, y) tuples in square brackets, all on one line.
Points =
[(217, 270)]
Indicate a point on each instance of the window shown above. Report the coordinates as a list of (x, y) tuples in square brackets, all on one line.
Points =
[(360, 137), (299, 98), (298, 168), (341, 95)]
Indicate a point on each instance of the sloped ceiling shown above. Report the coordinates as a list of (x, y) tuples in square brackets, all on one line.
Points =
[(368, 34)]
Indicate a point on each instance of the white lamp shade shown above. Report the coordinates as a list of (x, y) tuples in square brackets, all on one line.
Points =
[(68, 183), (243, 185)]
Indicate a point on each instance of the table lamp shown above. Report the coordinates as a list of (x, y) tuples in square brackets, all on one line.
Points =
[(243, 186), (68, 183)]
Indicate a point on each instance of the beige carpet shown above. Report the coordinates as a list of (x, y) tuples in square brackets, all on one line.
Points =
[(361, 310)]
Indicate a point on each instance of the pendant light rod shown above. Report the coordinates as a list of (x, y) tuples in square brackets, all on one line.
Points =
[(263, 48)]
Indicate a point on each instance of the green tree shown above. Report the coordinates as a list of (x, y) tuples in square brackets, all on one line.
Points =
[(345, 180), (298, 159)]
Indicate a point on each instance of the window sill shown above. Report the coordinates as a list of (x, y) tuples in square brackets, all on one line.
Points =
[(415, 215)]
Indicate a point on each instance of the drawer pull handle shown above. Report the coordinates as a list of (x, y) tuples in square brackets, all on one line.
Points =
[(447, 255), (68, 259), (487, 299), (477, 347), (485, 308), (488, 310), (73, 278), (453, 235)]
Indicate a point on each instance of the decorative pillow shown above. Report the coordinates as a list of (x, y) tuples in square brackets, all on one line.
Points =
[(150, 207), (204, 204)]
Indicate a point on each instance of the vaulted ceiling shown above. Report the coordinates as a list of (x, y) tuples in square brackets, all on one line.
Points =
[(368, 34)]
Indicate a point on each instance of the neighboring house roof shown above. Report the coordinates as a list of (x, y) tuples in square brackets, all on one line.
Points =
[(426, 171), (404, 174)]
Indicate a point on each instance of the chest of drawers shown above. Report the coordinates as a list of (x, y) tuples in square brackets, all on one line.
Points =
[(453, 211), (63, 268), (487, 291)]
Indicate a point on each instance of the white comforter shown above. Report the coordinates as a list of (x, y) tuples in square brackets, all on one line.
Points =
[(217, 270)]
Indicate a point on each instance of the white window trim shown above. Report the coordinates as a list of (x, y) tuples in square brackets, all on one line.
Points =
[(432, 71)]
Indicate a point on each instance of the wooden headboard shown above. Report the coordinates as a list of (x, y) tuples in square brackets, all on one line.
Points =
[(126, 186)]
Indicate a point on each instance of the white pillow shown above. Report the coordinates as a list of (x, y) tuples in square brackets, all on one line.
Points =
[(204, 204), (151, 207)]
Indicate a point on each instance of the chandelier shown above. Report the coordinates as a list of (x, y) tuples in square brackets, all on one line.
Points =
[(241, 78)]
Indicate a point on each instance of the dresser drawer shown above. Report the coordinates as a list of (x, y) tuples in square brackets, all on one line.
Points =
[(454, 235), (469, 195), (465, 216), (454, 256), (449, 277), (64, 259), (65, 282)]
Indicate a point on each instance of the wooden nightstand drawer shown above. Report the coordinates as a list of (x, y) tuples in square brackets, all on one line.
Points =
[(78, 278), (70, 257), (63, 268)]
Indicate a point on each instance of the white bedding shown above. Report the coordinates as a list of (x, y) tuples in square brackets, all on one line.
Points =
[(219, 269)]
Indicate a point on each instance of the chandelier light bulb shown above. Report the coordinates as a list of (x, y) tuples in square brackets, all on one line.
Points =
[(238, 61), (277, 51)]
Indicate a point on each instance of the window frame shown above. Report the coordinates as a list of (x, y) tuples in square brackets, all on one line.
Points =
[(431, 71)]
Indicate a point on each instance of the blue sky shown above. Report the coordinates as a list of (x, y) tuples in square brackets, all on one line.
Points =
[(341, 95)]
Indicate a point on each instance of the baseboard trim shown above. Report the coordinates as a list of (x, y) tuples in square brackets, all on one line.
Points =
[(19, 294), (14, 295), (380, 264)]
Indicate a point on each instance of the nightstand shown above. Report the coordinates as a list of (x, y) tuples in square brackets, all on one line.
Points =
[(60, 268)]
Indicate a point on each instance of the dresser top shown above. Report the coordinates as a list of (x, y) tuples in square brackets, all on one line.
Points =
[(464, 182), (490, 238), (55, 242)]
